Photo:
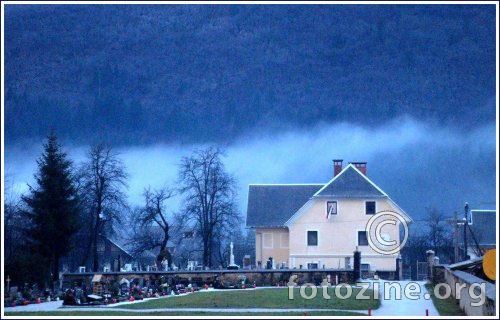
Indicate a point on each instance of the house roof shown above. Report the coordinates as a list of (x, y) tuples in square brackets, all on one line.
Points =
[(350, 183), (273, 205), (484, 226), (277, 205), (119, 247)]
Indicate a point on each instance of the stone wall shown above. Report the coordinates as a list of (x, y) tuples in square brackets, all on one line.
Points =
[(443, 274), (214, 278)]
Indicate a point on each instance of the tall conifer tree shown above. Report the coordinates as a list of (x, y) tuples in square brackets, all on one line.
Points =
[(52, 208)]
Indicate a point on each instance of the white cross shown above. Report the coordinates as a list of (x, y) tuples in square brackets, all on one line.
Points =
[(8, 283)]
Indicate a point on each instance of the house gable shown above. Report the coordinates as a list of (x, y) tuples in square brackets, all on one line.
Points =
[(350, 183)]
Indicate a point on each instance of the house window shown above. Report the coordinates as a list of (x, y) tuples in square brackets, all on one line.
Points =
[(312, 266), (331, 208), (370, 207), (347, 262), (365, 267), (362, 240), (268, 240), (312, 238)]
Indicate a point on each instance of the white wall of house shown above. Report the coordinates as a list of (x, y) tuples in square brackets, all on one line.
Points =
[(338, 235), (271, 242)]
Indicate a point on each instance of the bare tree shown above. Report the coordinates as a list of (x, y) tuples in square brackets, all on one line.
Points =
[(438, 229), (152, 225), (226, 232), (209, 195), (103, 179), (13, 219), (186, 240)]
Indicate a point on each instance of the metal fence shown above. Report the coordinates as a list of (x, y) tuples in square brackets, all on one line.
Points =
[(422, 270)]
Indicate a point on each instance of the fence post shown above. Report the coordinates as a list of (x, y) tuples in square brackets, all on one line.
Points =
[(357, 265), (430, 264), (399, 269)]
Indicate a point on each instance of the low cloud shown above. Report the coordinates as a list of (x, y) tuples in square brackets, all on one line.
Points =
[(417, 164)]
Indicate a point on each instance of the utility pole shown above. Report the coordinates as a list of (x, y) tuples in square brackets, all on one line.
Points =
[(466, 223), (455, 236)]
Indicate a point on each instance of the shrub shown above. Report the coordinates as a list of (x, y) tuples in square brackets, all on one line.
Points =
[(114, 289)]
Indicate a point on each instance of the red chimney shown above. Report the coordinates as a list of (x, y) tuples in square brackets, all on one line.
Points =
[(361, 166), (337, 167)]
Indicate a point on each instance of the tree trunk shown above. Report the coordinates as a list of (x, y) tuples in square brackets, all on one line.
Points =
[(90, 240), (88, 250), (95, 265), (205, 252), (55, 277), (210, 251), (165, 248)]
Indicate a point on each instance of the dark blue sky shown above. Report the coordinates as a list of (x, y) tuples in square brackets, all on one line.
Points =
[(409, 88)]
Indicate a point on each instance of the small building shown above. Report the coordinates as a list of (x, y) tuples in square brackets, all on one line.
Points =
[(483, 226), (112, 256)]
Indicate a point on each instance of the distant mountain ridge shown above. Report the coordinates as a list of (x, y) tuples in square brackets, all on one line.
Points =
[(211, 73)]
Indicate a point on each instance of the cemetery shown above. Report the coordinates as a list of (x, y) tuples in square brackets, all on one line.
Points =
[(104, 288), (143, 295)]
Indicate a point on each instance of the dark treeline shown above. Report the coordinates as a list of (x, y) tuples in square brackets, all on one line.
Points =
[(434, 232), (66, 218), (149, 73)]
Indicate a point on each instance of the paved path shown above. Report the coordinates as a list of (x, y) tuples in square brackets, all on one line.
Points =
[(219, 310), (405, 306), (389, 307), (44, 306)]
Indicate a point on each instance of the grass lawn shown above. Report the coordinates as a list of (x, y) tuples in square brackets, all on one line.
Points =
[(260, 298), (152, 313), (445, 307)]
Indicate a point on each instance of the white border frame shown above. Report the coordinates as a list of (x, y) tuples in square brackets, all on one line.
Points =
[(494, 3)]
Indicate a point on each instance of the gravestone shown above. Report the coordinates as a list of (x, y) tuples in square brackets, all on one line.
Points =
[(13, 293), (270, 263), (124, 285), (106, 267), (246, 262), (127, 267)]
